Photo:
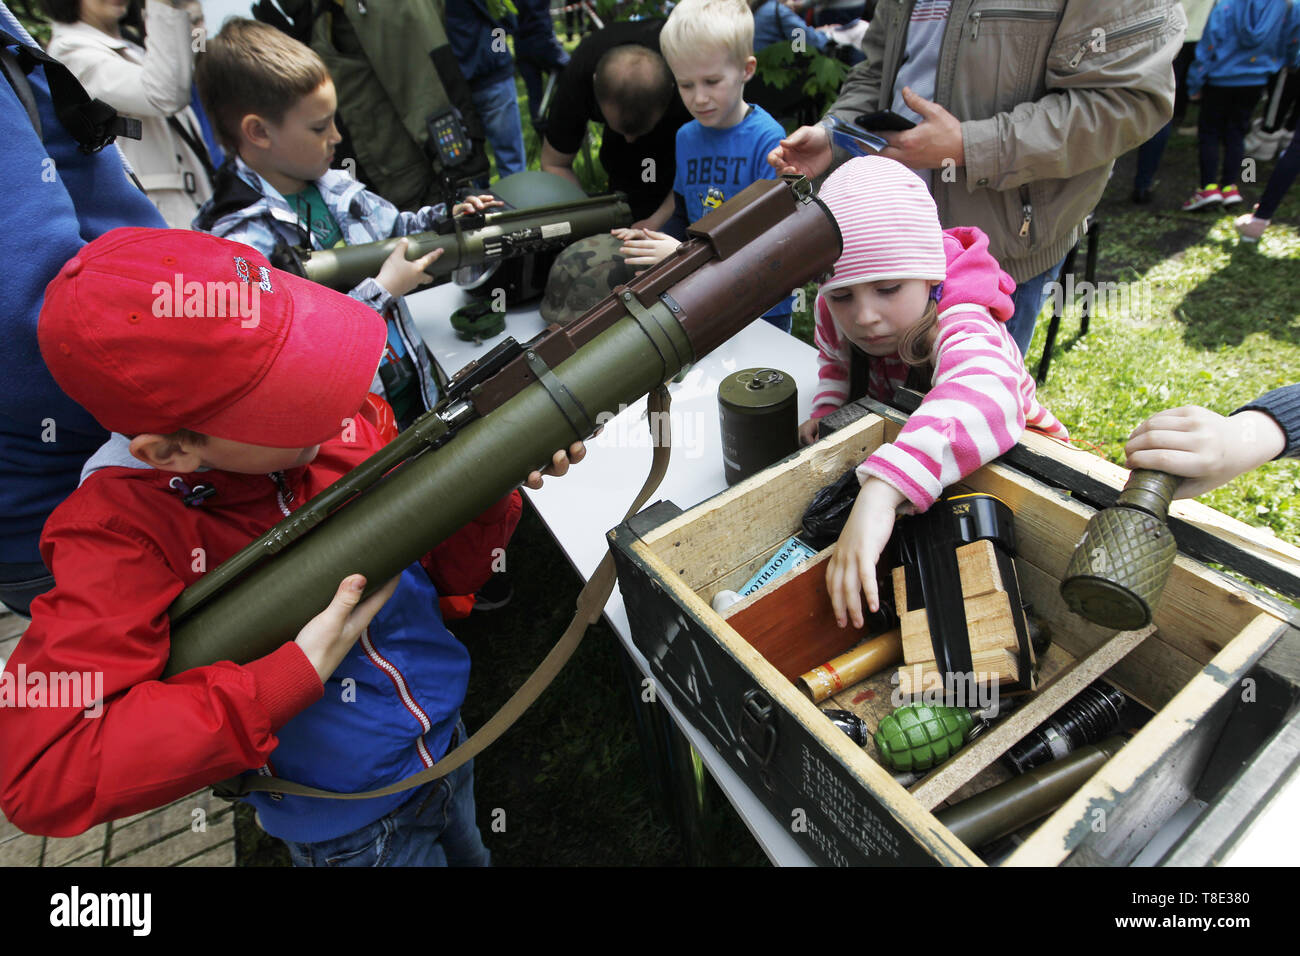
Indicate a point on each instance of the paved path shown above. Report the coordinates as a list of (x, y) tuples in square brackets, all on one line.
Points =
[(198, 830)]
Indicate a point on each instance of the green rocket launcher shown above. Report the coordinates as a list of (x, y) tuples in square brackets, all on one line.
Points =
[(1123, 561), (474, 240), (508, 413)]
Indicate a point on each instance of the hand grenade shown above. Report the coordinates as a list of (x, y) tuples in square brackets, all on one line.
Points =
[(921, 736)]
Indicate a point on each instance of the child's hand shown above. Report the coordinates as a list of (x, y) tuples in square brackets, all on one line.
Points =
[(648, 250), (399, 275), (327, 637), (852, 568), (808, 431), (1204, 447), (631, 232), (559, 465), (475, 204)]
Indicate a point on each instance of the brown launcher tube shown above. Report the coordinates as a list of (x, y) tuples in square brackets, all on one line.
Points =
[(1009, 806), (870, 657), (384, 530)]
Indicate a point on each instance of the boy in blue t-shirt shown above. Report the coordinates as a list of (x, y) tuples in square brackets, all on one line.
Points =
[(709, 47)]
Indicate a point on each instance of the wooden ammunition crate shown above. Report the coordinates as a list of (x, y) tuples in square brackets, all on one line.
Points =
[(1213, 708)]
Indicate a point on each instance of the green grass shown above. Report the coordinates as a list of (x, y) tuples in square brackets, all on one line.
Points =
[(1222, 327)]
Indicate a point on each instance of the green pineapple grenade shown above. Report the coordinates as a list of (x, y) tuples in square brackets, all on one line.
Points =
[(921, 736), (1120, 567)]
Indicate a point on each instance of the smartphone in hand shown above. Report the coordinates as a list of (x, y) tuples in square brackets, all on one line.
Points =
[(884, 121)]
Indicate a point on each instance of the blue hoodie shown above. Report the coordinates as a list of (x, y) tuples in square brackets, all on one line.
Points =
[(1244, 43), (57, 199)]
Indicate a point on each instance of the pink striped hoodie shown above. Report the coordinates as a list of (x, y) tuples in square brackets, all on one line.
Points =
[(981, 397)]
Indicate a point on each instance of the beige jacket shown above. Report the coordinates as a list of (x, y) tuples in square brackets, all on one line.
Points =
[(150, 84), (1049, 93)]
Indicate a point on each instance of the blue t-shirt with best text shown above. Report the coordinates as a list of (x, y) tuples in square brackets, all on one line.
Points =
[(713, 165)]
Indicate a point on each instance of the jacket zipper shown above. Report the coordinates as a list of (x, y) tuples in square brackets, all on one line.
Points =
[(284, 495), (1010, 13), (1080, 53), (1027, 211)]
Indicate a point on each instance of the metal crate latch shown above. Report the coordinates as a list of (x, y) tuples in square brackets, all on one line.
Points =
[(758, 731)]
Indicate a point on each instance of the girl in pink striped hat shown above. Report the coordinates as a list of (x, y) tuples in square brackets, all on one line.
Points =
[(911, 304)]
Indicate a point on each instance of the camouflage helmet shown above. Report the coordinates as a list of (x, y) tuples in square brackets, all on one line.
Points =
[(583, 274)]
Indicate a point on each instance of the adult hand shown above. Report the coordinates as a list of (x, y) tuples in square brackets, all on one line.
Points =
[(806, 151), (475, 204), (399, 275), (930, 143), (559, 465), (1206, 448), (852, 568), (327, 637)]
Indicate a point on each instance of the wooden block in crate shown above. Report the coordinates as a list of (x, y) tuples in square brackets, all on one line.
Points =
[(990, 622)]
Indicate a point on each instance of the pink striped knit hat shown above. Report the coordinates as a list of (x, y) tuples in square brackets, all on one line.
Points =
[(888, 220)]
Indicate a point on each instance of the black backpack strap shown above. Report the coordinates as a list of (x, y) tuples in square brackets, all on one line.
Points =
[(18, 80), (197, 147), (91, 122)]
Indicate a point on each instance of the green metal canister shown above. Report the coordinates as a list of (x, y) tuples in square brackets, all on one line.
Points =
[(759, 412)]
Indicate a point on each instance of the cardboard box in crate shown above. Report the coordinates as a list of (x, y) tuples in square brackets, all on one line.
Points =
[(732, 673)]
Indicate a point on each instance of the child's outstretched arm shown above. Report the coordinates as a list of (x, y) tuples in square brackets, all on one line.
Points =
[(852, 568), (126, 741), (1209, 449), (974, 412)]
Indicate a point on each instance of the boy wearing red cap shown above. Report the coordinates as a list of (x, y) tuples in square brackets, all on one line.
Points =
[(239, 386)]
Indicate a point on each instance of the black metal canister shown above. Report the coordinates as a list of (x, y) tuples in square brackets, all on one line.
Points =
[(1091, 715), (759, 412)]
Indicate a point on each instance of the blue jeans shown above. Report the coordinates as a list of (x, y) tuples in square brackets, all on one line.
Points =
[(1029, 298), (498, 106), (1149, 156), (434, 828)]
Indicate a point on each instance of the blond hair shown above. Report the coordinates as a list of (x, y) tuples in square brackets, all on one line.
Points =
[(697, 26), (253, 68), (917, 343)]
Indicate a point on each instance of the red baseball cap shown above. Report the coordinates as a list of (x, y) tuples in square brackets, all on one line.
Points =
[(154, 330)]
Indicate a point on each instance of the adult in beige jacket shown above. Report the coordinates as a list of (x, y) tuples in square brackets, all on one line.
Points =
[(1033, 102), (150, 83)]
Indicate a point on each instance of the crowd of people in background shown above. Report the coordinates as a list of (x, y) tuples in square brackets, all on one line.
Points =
[(1009, 124)]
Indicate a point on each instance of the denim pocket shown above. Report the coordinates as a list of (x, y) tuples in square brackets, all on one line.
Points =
[(369, 846)]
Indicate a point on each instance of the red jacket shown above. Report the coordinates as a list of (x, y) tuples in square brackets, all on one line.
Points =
[(121, 548)]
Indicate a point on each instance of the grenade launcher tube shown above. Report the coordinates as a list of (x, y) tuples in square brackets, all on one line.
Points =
[(503, 235), (384, 530)]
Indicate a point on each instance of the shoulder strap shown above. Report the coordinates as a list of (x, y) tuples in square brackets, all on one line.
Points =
[(591, 602), (91, 122), (18, 80), (196, 145)]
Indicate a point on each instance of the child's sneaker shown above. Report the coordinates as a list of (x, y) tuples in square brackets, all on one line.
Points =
[(1231, 195), (1204, 197), (1249, 227)]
